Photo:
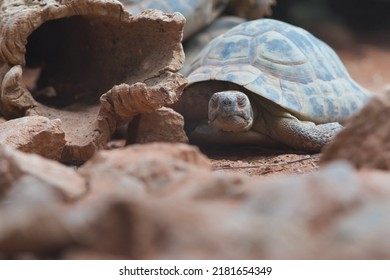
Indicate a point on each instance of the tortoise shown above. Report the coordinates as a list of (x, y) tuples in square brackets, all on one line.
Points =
[(266, 82)]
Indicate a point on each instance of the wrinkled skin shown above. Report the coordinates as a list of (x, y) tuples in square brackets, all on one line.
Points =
[(230, 111)]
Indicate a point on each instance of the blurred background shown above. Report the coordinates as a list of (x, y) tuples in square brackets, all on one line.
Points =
[(366, 15), (358, 30)]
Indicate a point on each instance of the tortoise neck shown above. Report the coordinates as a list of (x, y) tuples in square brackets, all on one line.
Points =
[(255, 111)]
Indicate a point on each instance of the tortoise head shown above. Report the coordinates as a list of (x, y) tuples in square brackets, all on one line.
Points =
[(230, 111)]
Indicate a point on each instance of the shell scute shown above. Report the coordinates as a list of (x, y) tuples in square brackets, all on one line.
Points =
[(277, 48), (240, 74), (318, 109), (230, 50), (293, 101), (345, 112)]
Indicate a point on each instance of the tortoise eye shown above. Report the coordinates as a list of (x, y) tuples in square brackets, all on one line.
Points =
[(241, 101), (213, 103)]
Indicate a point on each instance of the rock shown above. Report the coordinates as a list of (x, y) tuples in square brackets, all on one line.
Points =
[(283, 219), (335, 213), (36, 134), (31, 218), (154, 228), (365, 141), (35, 194), (162, 201), (97, 78), (180, 219), (148, 168), (162, 125), (16, 165), (325, 215), (360, 233)]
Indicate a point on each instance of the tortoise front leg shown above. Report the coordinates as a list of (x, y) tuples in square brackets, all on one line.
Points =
[(304, 136)]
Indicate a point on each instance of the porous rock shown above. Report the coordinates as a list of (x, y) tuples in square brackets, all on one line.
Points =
[(78, 51), (35, 134), (365, 141), (162, 125)]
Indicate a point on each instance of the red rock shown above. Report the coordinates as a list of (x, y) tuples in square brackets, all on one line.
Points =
[(162, 125), (148, 168), (34, 134), (16, 165), (31, 218), (161, 201), (335, 213), (34, 195)]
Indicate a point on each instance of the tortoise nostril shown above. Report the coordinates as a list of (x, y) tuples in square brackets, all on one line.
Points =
[(226, 102)]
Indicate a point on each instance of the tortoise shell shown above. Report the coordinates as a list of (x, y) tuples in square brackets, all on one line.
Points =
[(284, 64)]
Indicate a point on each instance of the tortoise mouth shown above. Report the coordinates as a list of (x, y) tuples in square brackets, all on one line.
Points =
[(231, 123)]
